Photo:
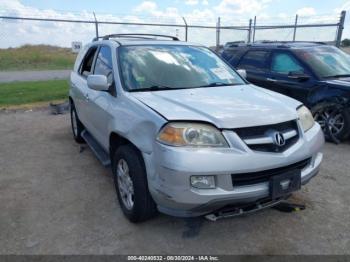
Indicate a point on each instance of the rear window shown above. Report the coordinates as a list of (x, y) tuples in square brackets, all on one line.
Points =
[(254, 60)]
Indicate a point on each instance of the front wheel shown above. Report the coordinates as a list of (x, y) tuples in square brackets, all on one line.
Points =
[(130, 181), (333, 119)]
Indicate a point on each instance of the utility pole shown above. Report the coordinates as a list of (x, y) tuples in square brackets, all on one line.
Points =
[(295, 27), (340, 29), (96, 25), (249, 31), (218, 34), (254, 26), (186, 28)]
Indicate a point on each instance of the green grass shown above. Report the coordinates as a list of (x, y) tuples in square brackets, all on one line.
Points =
[(23, 93), (36, 57)]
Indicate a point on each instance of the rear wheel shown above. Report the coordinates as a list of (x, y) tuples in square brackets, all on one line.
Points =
[(333, 119), (77, 126), (130, 181)]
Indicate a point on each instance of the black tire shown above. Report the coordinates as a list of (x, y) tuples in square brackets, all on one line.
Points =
[(334, 111), (79, 126), (143, 207)]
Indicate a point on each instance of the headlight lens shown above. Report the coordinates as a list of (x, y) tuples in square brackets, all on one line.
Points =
[(306, 119), (191, 134)]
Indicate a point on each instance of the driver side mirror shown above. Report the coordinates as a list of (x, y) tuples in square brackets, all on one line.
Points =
[(98, 82), (301, 76), (242, 73)]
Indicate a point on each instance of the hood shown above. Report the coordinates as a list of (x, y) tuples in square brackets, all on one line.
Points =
[(342, 83), (225, 107)]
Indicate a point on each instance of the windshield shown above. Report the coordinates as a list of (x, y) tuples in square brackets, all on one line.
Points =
[(326, 61), (160, 67)]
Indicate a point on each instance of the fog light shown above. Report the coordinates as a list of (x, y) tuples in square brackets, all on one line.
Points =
[(203, 182)]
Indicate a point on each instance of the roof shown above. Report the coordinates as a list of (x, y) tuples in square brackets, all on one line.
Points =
[(142, 39), (130, 41), (279, 44)]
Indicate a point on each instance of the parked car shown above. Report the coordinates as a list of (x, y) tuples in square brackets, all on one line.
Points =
[(316, 74), (184, 133)]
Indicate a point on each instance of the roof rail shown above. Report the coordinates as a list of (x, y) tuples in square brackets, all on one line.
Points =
[(141, 36)]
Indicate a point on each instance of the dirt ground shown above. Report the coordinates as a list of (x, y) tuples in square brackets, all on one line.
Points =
[(56, 200)]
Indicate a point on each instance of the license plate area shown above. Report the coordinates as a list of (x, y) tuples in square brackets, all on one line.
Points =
[(285, 183)]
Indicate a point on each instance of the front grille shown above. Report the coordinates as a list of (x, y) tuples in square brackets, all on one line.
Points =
[(263, 131), (244, 179)]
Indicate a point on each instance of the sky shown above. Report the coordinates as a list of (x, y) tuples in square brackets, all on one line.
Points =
[(197, 12)]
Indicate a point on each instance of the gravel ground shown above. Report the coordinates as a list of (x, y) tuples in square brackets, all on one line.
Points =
[(12, 76), (56, 200)]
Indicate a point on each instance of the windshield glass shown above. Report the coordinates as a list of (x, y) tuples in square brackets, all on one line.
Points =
[(160, 67), (326, 61)]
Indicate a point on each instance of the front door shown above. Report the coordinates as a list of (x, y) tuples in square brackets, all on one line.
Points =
[(289, 76), (100, 101)]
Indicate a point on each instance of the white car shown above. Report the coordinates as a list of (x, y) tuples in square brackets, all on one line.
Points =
[(184, 133)]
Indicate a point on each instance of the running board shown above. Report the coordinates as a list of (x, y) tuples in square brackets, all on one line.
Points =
[(96, 148)]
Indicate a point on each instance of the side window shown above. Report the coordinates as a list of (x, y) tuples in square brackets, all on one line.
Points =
[(254, 60), (103, 64), (86, 66), (284, 63)]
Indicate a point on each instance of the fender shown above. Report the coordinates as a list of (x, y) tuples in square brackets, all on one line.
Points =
[(329, 93)]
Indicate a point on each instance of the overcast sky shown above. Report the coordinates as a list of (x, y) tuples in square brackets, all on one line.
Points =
[(198, 12)]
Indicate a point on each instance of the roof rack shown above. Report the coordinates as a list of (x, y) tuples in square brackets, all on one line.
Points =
[(140, 36)]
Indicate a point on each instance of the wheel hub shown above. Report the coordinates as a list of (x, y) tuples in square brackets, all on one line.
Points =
[(125, 184), (331, 120)]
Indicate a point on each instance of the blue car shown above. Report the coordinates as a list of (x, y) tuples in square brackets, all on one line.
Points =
[(314, 73)]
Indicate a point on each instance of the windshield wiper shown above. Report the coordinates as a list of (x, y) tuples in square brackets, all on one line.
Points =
[(336, 76), (154, 88), (217, 84)]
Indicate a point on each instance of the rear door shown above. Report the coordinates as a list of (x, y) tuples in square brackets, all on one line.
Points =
[(255, 62), (283, 63)]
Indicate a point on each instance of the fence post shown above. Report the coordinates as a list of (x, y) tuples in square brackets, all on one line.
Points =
[(340, 28), (295, 27), (96, 25), (218, 34), (254, 26), (186, 28), (249, 31)]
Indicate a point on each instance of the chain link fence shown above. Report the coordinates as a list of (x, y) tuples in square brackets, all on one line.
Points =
[(36, 28)]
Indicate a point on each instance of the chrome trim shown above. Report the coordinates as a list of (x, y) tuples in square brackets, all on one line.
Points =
[(268, 139)]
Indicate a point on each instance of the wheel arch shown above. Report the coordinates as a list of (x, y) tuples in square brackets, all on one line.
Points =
[(116, 140)]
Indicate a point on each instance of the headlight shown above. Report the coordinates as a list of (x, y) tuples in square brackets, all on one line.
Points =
[(306, 119), (191, 134)]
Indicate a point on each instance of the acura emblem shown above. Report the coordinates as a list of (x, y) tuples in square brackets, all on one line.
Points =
[(278, 139)]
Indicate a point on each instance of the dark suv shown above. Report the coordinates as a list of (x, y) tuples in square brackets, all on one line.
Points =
[(314, 73)]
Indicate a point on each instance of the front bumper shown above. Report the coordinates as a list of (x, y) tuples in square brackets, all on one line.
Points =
[(169, 170)]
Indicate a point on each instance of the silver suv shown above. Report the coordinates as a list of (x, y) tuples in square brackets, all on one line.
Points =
[(184, 133)]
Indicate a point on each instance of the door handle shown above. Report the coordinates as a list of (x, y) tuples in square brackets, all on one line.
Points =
[(87, 97), (271, 79)]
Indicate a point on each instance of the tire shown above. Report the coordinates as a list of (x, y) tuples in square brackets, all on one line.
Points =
[(77, 126), (131, 184), (333, 118)]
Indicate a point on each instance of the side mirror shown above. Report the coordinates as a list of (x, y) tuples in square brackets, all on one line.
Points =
[(97, 82), (242, 73), (301, 76)]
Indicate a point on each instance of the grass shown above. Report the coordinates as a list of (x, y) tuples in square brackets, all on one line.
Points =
[(36, 57), (26, 94)]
